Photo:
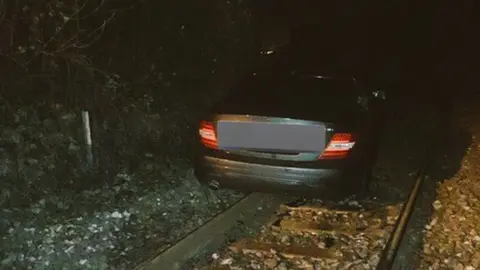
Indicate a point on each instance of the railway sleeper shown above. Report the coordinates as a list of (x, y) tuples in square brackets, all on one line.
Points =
[(319, 228), (287, 251)]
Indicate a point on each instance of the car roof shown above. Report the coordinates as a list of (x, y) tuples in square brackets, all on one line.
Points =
[(273, 83), (305, 64)]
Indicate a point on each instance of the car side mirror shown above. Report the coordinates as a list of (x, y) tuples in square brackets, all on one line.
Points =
[(379, 94), (363, 101), (267, 52)]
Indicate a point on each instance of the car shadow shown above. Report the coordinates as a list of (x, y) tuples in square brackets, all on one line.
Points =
[(410, 123), (445, 162)]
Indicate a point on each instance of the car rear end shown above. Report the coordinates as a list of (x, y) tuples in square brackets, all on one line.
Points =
[(273, 153)]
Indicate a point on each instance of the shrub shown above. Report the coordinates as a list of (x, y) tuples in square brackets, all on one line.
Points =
[(144, 70)]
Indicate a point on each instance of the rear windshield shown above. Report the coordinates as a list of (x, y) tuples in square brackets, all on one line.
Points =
[(325, 83), (306, 85)]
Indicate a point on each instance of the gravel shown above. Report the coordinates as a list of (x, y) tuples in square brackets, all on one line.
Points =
[(116, 237)]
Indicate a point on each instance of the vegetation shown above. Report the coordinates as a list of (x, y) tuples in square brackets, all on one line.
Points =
[(145, 70)]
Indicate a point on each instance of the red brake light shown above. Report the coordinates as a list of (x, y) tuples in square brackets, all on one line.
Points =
[(207, 135), (339, 146)]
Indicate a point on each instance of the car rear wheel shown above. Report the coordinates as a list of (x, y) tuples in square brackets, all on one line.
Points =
[(363, 188), (366, 174)]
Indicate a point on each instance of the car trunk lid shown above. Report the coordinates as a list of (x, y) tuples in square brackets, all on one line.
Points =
[(270, 137)]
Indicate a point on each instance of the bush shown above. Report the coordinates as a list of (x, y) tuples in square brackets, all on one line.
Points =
[(144, 70)]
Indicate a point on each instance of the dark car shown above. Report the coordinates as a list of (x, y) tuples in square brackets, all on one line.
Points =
[(292, 126)]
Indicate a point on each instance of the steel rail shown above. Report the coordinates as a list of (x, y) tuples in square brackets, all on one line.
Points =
[(388, 256), (389, 253)]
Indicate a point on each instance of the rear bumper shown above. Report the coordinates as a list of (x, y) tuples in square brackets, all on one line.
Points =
[(224, 173)]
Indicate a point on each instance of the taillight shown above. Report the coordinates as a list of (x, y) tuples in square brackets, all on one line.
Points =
[(207, 135), (339, 146)]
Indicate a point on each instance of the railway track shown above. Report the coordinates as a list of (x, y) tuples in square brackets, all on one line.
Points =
[(307, 234), (317, 235), (347, 235)]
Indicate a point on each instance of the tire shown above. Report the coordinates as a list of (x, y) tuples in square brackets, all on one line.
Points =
[(366, 173), (363, 188)]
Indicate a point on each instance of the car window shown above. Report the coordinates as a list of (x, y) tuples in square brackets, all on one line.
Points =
[(326, 89), (324, 84), (339, 90)]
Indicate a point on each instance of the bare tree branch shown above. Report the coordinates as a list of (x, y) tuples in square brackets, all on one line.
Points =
[(97, 9), (100, 29)]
